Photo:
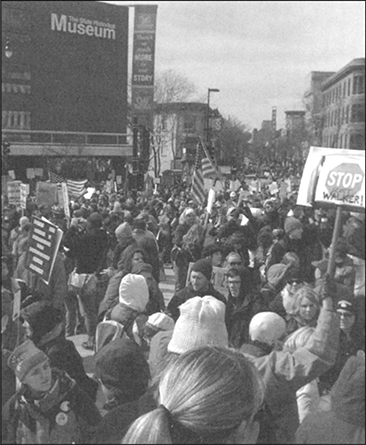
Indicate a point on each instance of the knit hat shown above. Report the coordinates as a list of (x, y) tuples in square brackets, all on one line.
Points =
[(276, 273), (24, 358), (95, 219), (141, 267), (42, 317), (267, 327), (23, 221), (133, 292), (204, 266), (123, 231), (121, 364), (291, 224), (160, 322), (201, 323), (117, 207)]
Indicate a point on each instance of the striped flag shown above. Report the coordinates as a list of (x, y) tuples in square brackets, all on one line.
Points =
[(208, 170), (198, 189), (76, 189)]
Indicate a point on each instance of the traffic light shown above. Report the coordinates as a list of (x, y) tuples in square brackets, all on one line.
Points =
[(211, 151)]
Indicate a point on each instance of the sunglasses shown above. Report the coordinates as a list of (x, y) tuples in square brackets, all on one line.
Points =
[(344, 315)]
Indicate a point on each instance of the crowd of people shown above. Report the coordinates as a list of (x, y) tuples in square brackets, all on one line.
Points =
[(272, 354)]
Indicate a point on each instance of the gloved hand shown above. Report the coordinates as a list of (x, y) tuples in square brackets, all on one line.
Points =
[(329, 288)]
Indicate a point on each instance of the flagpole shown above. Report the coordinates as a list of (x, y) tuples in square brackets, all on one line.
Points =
[(221, 179)]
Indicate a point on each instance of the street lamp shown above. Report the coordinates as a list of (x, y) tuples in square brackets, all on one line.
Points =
[(8, 51), (210, 90)]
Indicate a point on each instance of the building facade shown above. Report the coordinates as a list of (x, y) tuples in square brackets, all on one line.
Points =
[(64, 81), (178, 127), (343, 107)]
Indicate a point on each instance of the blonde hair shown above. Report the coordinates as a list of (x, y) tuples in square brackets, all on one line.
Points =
[(298, 338), (194, 236), (205, 394), (305, 292)]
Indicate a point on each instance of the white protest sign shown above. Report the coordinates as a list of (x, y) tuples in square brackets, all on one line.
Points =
[(23, 195), (14, 193), (333, 176), (210, 200), (66, 202), (341, 182)]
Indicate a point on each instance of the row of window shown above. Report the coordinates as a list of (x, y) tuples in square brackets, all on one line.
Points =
[(355, 141), (16, 120), (15, 88), (345, 115), (344, 89)]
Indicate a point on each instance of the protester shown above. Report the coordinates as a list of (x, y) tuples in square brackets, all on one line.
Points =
[(44, 325), (244, 301), (208, 395), (303, 311), (90, 250), (49, 407), (199, 285), (345, 422), (123, 374)]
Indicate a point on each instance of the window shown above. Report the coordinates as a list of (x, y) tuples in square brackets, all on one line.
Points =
[(358, 113), (349, 87), (347, 114), (358, 84), (344, 88), (189, 123), (357, 141)]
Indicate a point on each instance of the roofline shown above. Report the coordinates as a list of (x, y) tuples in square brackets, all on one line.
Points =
[(353, 64)]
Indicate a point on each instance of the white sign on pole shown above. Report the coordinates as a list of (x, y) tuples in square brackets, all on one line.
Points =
[(23, 196), (66, 202), (210, 200)]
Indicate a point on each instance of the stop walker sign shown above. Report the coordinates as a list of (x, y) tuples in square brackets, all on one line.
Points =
[(341, 182)]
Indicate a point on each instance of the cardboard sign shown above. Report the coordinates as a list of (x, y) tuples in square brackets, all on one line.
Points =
[(46, 193), (23, 195), (333, 177), (210, 200), (44, 241)]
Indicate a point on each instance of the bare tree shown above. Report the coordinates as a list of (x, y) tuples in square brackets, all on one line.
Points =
[(171, 86), (233, 140)]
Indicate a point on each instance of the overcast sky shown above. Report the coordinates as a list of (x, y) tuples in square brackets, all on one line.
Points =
[(258, 54)]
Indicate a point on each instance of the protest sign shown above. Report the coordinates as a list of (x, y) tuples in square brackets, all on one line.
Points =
[(66, 202), (333, 177), (23, 195), (14, 193), (30, 173), (210, 200), (44, 241), (46, 193)]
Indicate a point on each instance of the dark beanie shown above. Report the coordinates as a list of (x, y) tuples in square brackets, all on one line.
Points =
[(141, 267), (204, 266), (122, 365), (95, 219), (42, 318)]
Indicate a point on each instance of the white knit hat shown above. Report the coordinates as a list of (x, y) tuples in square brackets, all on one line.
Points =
[(201, 323), (133, 292), (161, 322), (267, 327)]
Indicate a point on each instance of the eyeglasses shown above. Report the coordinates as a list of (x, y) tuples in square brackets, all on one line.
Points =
[(292, 282)]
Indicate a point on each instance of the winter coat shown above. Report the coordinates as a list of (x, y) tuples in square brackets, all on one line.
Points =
[(156, 298), (185, 294), (89, 248), (64, 356), (147, 241), (55, 291), (158, 350), (345, 422), (239, 312), (307, 399), (284, 373), (64, 415)]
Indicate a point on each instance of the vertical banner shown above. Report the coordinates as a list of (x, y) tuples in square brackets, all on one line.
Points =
[(65, 196), (23, 195), (143, 64)]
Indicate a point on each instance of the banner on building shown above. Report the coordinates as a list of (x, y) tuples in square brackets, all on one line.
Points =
[(333, 177), (44, 242), (143, 64)]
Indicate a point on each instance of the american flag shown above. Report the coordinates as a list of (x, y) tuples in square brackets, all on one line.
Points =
[(76, 189), (198, 186)]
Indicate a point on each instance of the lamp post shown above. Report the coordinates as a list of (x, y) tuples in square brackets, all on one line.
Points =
[(210, 90)]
